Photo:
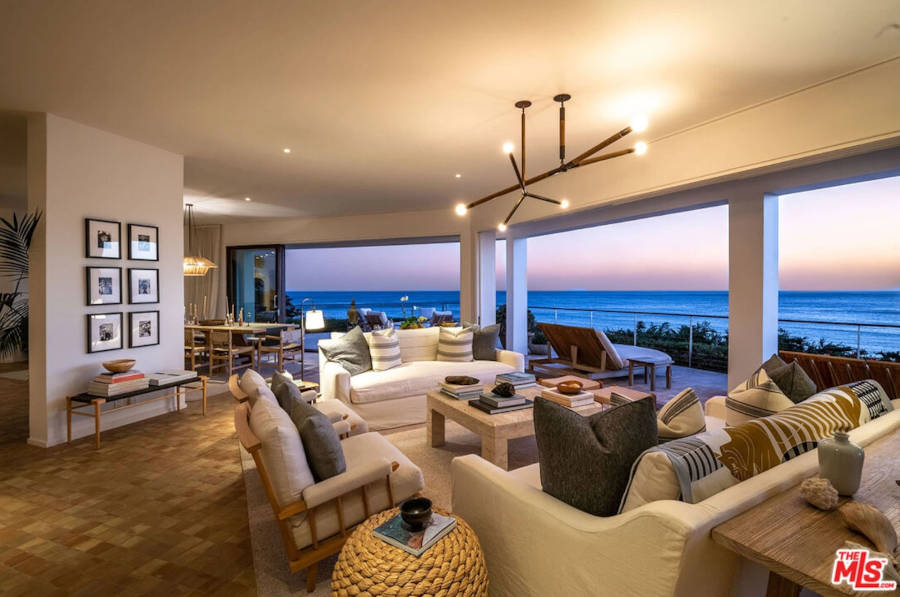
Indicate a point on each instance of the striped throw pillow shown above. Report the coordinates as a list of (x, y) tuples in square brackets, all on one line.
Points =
[(680, 417), (385, 349), (756, 398), (455, 344)]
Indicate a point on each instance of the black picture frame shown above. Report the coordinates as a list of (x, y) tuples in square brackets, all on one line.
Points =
[(88, 286), (90, 249), (132, 253), (133, 299), (90, 328), (131, 334)]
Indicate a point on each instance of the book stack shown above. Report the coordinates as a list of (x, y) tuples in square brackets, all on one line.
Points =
[(518, 379), (461, 392), (568, 400), (396, 533), (113, 384), (493, 404), (170, 376)]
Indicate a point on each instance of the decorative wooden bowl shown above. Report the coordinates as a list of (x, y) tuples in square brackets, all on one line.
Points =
[(119, 365), (569, 387)]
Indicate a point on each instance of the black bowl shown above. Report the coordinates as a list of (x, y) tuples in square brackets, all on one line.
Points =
[(416, 513)]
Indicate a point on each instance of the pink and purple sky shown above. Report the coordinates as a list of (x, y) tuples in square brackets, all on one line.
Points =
[(839, 238)]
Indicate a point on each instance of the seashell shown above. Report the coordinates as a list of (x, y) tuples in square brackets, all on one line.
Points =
[(870, 522), (891, 572), (820, 493)]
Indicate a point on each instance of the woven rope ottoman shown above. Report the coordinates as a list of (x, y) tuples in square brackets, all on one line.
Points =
[(367, 566)]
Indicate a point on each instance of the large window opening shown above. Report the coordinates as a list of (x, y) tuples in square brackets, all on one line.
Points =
[(839, 270)]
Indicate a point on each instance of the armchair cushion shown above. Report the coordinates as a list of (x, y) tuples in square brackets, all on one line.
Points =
[(366, 472), (320, 440), (285, 390), (586, 461), (251, 383), (350, 351), (281, 451)]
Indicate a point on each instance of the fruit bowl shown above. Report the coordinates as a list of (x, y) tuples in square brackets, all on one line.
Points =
[(119, 365), (569, 387)]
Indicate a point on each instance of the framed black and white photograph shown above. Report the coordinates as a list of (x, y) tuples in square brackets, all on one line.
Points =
[(143, 286), (144, 327), (102, 239), (104, 331), (104, 285), (143, 242)]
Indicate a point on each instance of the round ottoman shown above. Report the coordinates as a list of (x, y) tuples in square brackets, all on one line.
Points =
[(369, 566)]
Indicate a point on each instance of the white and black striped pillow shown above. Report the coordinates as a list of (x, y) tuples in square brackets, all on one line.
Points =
[(455, 345), (385, 349)]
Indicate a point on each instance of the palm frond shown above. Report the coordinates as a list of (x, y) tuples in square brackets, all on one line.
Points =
[(15, 240), (14, 327)]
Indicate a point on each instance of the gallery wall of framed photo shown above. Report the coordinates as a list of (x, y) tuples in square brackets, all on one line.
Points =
[(105, 286)]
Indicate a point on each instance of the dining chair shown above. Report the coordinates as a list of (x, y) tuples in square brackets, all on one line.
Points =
[(285, 344), (224, 348), (193, 346)]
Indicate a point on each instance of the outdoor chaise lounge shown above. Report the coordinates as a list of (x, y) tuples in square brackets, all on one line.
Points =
[(587, 352)]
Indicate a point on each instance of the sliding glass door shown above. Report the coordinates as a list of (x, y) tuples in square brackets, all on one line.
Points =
[(256, 282)]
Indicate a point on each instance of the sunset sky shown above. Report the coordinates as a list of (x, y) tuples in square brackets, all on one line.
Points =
[(841, 238)]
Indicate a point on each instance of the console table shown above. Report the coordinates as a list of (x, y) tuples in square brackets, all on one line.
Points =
[(85, 400)]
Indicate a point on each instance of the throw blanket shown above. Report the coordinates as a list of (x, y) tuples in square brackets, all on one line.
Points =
[(709, 462)]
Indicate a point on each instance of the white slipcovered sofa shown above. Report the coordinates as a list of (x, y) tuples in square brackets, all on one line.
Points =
[(396, 397), (537, 545)]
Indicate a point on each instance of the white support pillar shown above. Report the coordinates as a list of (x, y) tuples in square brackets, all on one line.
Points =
[(468, 283), (517, 294), (752, 283), (486, 284)]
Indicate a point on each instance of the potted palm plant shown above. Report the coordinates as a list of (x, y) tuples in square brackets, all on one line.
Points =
[(15, 240)]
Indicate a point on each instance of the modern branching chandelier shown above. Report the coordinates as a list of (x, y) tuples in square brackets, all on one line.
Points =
[(638, 124)]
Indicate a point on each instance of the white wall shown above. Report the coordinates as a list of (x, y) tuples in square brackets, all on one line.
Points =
[(74, 172)]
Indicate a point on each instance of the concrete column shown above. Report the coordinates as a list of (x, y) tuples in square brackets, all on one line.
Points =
[(468, 258), (486, 266), (752, 282), (517, 294)]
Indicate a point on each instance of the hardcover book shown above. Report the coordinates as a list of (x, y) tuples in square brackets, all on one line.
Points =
[(395, 532), (477, 403)]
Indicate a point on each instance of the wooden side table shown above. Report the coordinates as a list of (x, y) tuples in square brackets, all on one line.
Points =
[(454, 566), (649, 367)]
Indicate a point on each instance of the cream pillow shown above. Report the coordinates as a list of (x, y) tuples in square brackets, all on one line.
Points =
[(281, 450), (681, 416), (455, 344), (757, 397), (384, 347)]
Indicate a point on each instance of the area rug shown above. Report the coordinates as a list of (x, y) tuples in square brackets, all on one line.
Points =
[(273, 578)]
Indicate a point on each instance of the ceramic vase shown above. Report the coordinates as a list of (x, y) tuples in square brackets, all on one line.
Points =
[(841, 462)]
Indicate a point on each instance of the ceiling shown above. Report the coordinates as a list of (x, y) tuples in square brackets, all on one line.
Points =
[(382, 103)]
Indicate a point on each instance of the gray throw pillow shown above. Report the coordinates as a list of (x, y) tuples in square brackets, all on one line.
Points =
[(774, 362), (320, 441), (585, 461), (350, 351), (484, 343), (285, 391), (794, 382)]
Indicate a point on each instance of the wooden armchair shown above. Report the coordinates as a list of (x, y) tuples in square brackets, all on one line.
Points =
[(193, 347), (316, 525), (285, 344), (224, 349)]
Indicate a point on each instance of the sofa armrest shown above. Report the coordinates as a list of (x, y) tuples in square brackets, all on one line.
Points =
[(338, 485), (715, 407), (341, 427), (511, 358), (334, 381)]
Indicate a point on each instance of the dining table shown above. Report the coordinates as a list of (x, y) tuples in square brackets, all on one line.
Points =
[(248, 330)]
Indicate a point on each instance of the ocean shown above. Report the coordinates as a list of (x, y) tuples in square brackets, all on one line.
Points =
[(870, 307)]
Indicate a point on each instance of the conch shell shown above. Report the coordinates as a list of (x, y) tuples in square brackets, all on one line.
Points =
[(869, 521), (820, 493)]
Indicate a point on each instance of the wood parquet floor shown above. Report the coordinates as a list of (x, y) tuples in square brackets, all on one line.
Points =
[(159, 509)]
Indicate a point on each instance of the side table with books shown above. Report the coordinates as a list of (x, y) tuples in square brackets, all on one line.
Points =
[(114, 387), (368, 565)]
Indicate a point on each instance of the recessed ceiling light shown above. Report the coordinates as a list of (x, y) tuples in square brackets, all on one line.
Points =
[(286, 150), (459, 176), (247, 199)]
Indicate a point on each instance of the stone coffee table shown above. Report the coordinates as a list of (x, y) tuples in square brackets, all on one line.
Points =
[(495, 430)]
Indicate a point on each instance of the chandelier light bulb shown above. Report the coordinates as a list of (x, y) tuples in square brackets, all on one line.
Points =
[(564, 204), (508, 147), (461, 209), (501, 227), (640, 148), (639, 123)]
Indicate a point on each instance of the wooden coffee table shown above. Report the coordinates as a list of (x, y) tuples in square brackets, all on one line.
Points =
[(495, 430)]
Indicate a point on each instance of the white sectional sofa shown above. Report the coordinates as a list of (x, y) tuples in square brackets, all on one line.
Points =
[(396, 397), (536, 545)]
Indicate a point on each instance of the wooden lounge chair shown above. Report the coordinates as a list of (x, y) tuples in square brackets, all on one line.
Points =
[(588, 353)]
